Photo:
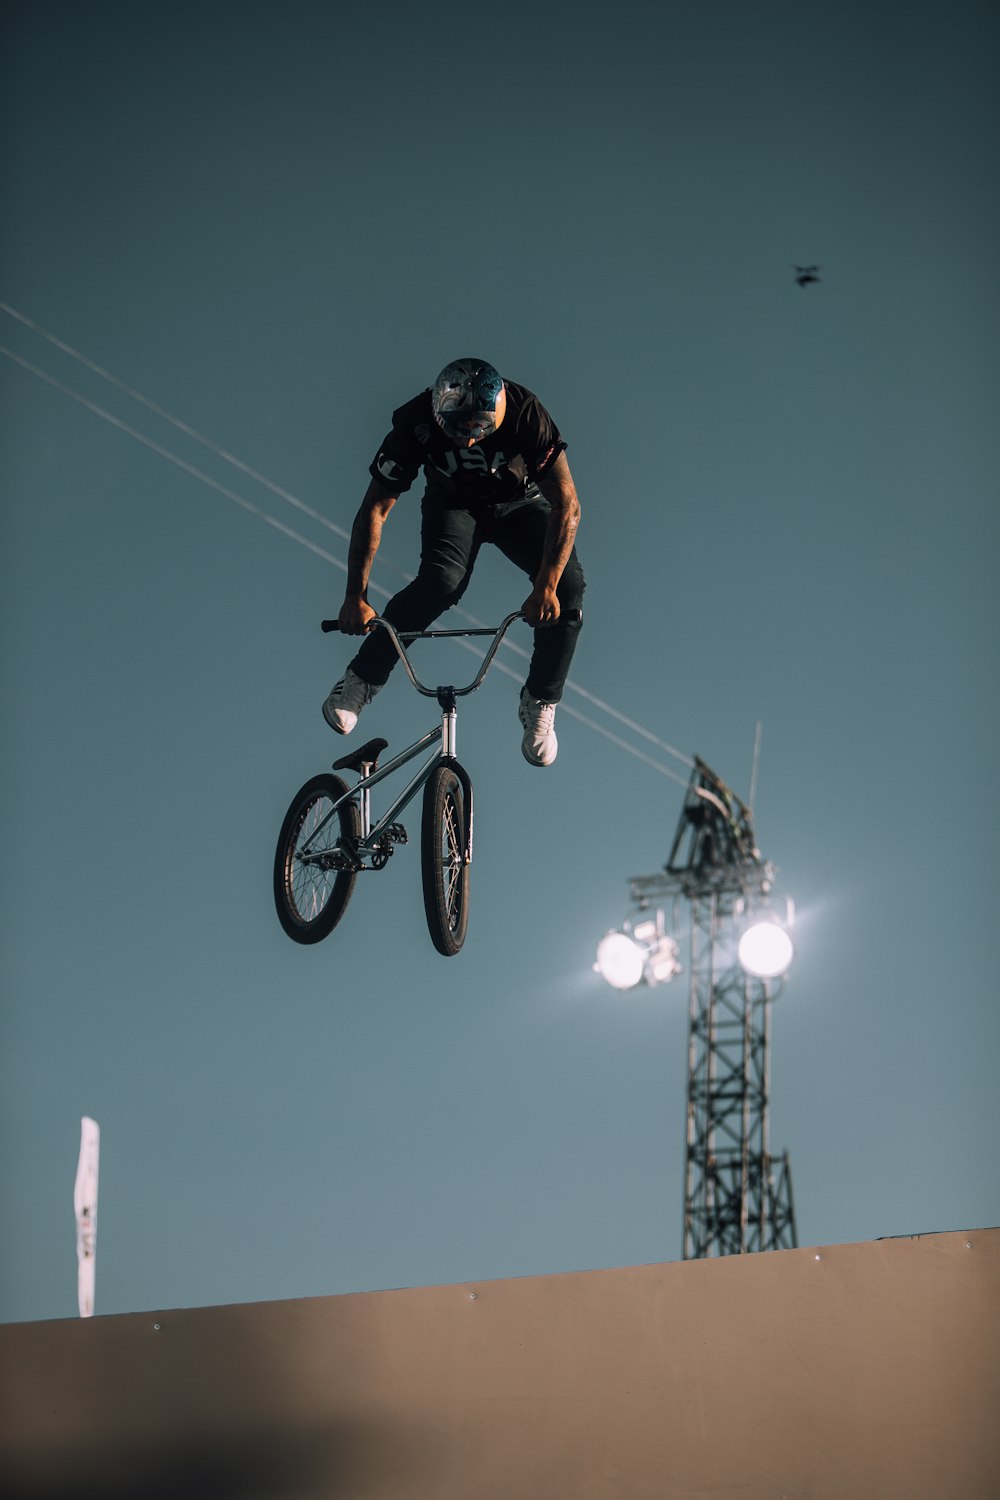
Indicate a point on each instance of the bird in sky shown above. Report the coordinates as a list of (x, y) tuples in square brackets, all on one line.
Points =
[(804, 275)]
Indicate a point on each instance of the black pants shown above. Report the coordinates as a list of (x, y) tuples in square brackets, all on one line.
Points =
[(449, 543)]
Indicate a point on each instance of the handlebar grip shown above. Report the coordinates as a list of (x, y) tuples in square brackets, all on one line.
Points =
[(328, 625)]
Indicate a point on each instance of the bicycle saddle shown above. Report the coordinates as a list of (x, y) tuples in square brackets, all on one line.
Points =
[(367, 753)]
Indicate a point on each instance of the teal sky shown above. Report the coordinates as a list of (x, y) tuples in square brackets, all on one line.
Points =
[(277, 223)]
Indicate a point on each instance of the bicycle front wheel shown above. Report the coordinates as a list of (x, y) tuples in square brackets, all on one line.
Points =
[(445, 872), (310, 891)]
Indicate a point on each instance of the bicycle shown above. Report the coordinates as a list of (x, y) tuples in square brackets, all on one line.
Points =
[(328, 838)]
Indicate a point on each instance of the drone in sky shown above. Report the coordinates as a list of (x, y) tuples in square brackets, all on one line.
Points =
[(805, 275)]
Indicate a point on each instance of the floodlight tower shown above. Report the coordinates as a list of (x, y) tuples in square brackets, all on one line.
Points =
[(737, 1196)]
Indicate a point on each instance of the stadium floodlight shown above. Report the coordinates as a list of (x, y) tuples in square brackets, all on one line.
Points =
[(620, 961), (737, 1195), (639, 952), (765, 950), (662, 962)]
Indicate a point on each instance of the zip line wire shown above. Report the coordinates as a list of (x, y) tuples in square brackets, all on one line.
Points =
[(295, 536)]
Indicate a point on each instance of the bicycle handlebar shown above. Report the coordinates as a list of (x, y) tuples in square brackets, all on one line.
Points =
[(420, 635), (401, 640), (423, 635)]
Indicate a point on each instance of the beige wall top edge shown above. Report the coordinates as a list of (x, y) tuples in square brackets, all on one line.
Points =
[(673, 1267)]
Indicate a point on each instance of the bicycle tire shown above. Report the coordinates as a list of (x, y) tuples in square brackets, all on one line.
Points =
[(309, 899), (442, 858)]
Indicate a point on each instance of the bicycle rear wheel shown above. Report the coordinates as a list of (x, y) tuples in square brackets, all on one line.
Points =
[(311, 895), (442, 855)]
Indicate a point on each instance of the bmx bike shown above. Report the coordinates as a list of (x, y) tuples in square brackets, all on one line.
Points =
[(328, 837)]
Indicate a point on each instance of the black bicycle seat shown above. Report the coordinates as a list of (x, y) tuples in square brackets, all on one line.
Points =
[(366, 754)]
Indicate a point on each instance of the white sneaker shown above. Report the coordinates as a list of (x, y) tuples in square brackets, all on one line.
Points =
[(539, 745), (346, 701)]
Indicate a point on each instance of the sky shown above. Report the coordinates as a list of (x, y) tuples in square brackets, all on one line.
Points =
[(276, 224)]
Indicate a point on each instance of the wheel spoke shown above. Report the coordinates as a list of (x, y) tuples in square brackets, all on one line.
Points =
[(452, 859), (312, 891), (310, 884)]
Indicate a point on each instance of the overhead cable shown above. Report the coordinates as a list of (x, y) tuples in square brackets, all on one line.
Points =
[(255, 474), (288, 531), (181, 463), (160, 411)]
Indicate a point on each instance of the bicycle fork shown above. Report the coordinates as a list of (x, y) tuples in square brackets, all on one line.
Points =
[(449, 739)]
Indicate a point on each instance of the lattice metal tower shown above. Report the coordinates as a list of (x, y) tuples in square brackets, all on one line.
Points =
[(737, 1196)]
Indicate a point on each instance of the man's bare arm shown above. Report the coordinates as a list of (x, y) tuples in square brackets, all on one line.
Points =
[(366, 533), (542, 605)]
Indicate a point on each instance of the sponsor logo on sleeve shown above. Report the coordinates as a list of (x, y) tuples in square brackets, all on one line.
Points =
[(388, 469)]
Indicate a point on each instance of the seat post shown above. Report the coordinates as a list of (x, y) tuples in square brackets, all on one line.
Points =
[(364, 761), (365, 797)]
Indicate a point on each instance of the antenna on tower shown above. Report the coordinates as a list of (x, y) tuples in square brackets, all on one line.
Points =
[(754, 767)]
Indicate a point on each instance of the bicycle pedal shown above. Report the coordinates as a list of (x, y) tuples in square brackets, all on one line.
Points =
[(397, 833)]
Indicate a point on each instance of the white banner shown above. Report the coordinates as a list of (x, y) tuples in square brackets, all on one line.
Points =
[(85, 1205)]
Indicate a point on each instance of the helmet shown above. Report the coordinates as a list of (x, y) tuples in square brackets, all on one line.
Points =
[(469, 400)]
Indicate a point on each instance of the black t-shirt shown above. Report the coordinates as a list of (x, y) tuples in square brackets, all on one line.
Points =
[(501, 467)]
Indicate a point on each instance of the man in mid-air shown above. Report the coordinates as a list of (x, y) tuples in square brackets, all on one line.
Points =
[(496, 471)]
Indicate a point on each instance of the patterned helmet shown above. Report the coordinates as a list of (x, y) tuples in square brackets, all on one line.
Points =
[(468, 400)]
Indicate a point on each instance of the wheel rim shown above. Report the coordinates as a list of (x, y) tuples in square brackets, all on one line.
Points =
[(309, 886)]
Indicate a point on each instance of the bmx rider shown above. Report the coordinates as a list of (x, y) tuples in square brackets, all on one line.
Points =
[(495, 469)]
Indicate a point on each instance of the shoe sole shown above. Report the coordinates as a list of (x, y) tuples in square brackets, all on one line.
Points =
[(335, 727), (541, 764)]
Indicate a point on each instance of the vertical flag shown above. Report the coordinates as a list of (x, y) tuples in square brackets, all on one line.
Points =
[(85, 1204)]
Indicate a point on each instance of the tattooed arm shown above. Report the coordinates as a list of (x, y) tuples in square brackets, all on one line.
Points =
[(366, 533), (542, 605)]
